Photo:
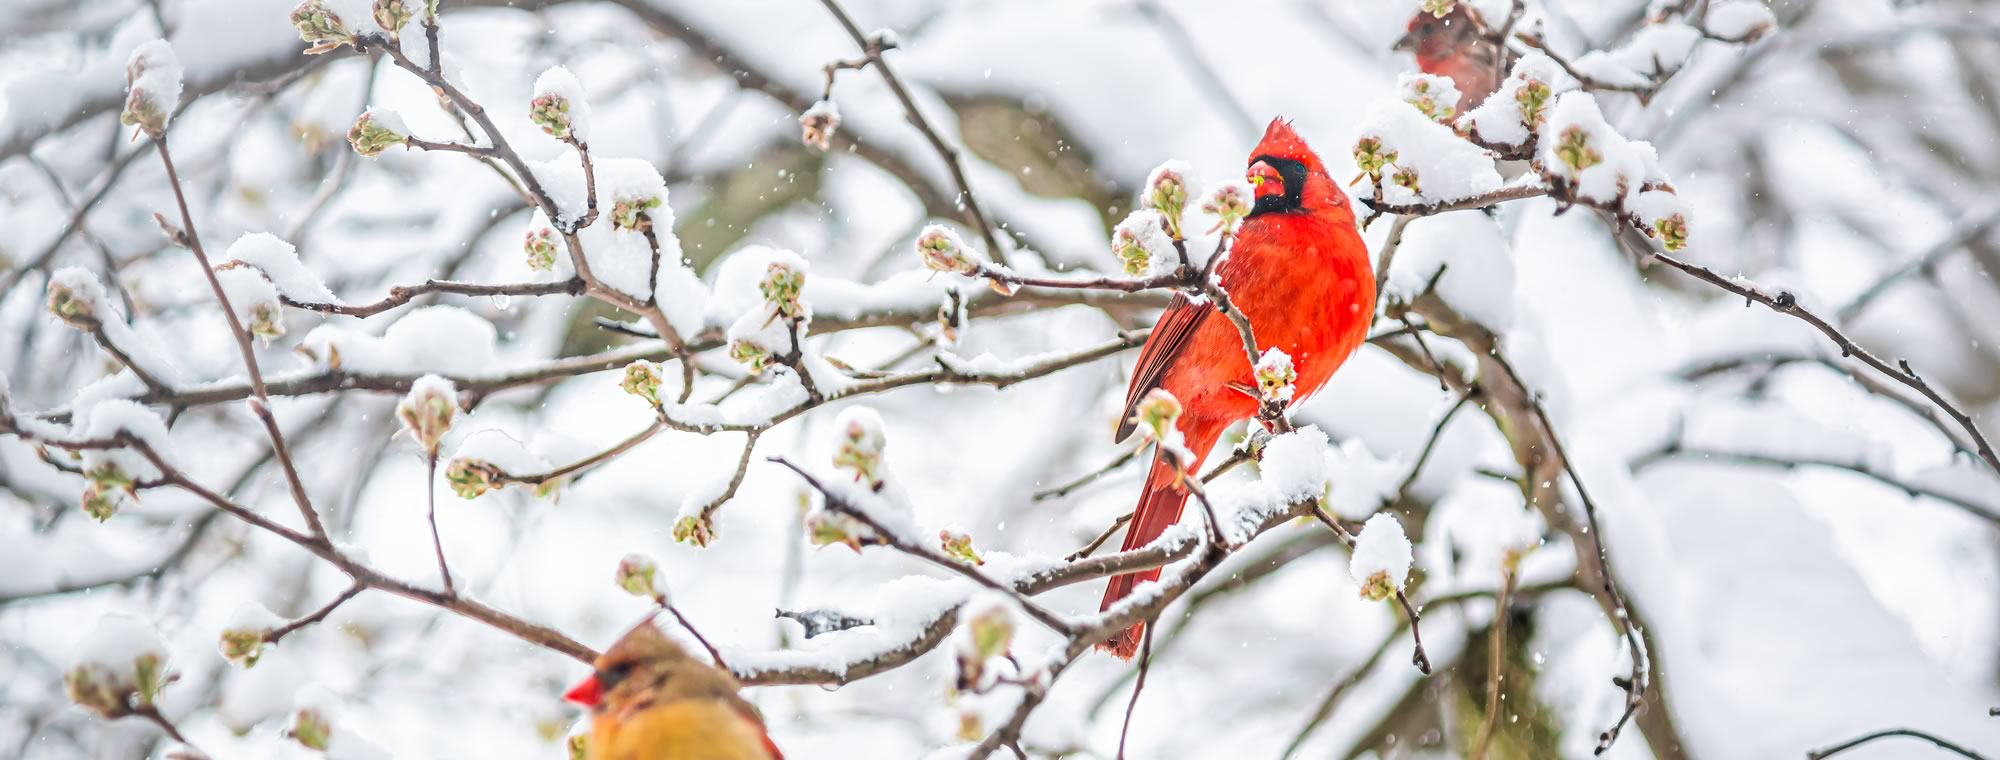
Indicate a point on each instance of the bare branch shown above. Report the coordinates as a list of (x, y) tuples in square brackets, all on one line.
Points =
[(873, 48), (1942, 744)]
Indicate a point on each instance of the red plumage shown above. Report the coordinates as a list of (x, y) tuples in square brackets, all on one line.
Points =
[(1452, 47), (1303, 278)]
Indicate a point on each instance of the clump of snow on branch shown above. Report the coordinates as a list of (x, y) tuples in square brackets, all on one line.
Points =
[(153, 88), (1381, 561), (1655, 49), (113, 474), (1294, 464), (279, 261), (1465, 255), (1432, 95), (900, 610), (254, 300), (558, 105), (119, 666), (1415, 160), (755, 406), (1517, 110), (442, 339), (1740, 21), (1583, 157), (1583, 153), (1348, 479), (631, 202)]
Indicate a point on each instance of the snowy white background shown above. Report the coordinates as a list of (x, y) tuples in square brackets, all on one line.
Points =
[(1812, 559)]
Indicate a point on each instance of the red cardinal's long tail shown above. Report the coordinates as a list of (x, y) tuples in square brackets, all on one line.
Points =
[(1159, 507)]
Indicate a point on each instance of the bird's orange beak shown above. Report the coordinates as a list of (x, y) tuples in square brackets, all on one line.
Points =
[(1264, 180), (585, 692)]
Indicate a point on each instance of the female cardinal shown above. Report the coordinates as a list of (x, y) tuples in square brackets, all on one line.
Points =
[(1453, 47), (1299, 271), (650, 700)]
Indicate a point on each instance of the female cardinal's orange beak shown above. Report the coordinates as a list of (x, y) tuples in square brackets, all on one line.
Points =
[(585, 692), (1264, 180)]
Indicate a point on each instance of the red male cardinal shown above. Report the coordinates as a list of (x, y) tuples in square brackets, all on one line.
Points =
[(1299, 271), (650, 700), (1453, 47)]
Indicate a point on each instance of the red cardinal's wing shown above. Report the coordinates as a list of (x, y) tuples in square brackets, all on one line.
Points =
[(1170, 336)]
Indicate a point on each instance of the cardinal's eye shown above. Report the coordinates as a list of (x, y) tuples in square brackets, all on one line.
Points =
[(608, 678)]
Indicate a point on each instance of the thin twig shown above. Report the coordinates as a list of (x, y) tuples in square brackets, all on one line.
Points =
[(839, 503), (278, 634), (151, 713), (1496, 656), (874, 48), (431, 512), (1087, 478), (1785, 303), (262, 406), (1092, 547), (1942, 744), (713, 653), (1145, 664), (1430, 445), (403, 294), (1970, 227)]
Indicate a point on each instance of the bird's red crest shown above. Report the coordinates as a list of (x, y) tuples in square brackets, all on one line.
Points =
[(1282, 142)]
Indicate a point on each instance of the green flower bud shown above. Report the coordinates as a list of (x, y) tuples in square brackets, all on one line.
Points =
[(635, 575), (942, 251), (781, 287), (471, 478), (642, 379), (958, 546), (311, 729), (1573, 147), (392, 15), (541, 248), (694, 529), (370, 135), (1156, 413), (551, 113)]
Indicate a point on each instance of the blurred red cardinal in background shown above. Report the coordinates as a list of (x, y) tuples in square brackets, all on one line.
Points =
[(1299, 271), (1453, 47), (650, 700)]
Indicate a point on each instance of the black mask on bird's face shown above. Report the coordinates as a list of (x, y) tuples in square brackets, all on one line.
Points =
[(1278, 184)]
